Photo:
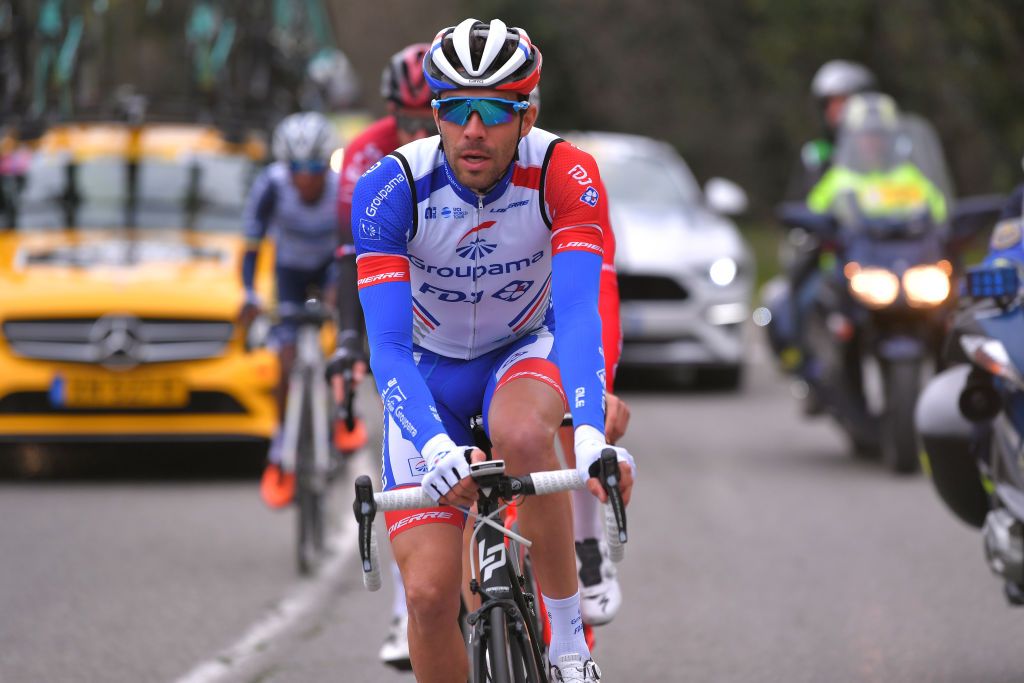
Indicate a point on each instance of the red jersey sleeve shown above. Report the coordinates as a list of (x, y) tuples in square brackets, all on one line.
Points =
[(575, 200), (366, 149), (577, 207), (608, 305)]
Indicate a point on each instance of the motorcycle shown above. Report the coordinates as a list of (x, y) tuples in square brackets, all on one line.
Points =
[(987, 490), (879, 309)]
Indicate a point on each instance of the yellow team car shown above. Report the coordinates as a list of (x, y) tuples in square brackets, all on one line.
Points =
[(119, 287)]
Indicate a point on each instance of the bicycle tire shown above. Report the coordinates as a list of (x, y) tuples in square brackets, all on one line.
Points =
[(308, 501), (533, 620), (498, 662)]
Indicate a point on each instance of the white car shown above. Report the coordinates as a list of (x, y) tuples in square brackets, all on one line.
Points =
[(685, 273)]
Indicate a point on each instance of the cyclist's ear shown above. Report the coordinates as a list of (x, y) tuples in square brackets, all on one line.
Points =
[(529, 118)]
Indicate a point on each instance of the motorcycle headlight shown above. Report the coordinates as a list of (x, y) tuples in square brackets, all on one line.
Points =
[(873, 287), (926, 286)]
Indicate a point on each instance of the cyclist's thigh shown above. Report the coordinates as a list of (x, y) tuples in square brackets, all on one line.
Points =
[(531, 358), (292, 288), (524, 400), (430, 559)]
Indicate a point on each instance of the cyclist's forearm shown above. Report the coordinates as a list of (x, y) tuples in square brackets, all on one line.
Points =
[(350, 311), (574, 289), (249, 268), (405, 394)]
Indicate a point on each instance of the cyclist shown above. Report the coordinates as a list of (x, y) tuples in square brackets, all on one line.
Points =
[(404, 87), (464, 248), (294, 200)]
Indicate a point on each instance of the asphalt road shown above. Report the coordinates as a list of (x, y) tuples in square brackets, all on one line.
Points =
[(760, 551)]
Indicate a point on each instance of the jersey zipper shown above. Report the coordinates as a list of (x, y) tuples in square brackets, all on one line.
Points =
[(476, 258)]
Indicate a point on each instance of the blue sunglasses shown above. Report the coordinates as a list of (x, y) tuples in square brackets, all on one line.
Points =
[(493, 111), (307, 166)]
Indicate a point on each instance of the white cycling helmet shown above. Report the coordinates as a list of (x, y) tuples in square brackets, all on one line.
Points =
[(304, 137), (478, 55), (839, 78)]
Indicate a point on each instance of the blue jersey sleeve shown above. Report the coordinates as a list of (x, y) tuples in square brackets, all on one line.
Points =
[(382, 220), (256, 216), (575, 286), (382, 209)]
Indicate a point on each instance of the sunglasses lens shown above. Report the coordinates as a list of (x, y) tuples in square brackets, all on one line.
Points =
[(308, 167), (455, 111), (492, 111)]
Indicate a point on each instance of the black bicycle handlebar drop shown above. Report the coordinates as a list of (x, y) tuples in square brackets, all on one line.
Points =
[(365, 508), (609, 476)]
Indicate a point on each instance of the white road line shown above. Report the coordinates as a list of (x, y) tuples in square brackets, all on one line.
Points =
[(296, 613)]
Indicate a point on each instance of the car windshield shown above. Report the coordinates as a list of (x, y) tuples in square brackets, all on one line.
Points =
[(204, 192), (647, 180)]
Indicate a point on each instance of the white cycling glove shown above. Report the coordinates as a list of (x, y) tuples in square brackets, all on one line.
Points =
[(589, 444), (446, 466)]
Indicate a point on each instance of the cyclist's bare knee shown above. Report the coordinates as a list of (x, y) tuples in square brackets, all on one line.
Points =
[(431, 563), (524, 417)]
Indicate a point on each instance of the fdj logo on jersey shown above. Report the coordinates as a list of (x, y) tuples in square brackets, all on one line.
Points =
[(472, 246), (513, 290), (451, 295), (580, 175), (590, 197)]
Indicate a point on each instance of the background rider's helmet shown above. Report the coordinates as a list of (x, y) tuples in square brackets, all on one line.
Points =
[(833, 83), (403, 81), (305, 137), (840, 78), (478, 55)]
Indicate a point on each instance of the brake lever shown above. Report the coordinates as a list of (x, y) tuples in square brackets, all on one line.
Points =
[(608, 474), (365, 509)]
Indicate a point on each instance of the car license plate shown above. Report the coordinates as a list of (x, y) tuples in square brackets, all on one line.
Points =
[(119, 392)]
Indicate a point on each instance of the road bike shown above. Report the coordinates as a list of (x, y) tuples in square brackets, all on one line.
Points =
[(306, 441), (504, 640)]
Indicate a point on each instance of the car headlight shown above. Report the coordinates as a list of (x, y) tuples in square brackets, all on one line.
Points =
[(873, 287), (926, 286), (723, 271)]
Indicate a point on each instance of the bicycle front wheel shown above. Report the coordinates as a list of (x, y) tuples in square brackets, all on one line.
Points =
[(308, 497), (498, 659)]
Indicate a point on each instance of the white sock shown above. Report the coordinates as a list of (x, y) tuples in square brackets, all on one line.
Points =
[(566, 628), (587, 519), (398, 607)]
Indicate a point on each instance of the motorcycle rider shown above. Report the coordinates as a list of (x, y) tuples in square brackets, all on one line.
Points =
[(875, 179), (833, 84)]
